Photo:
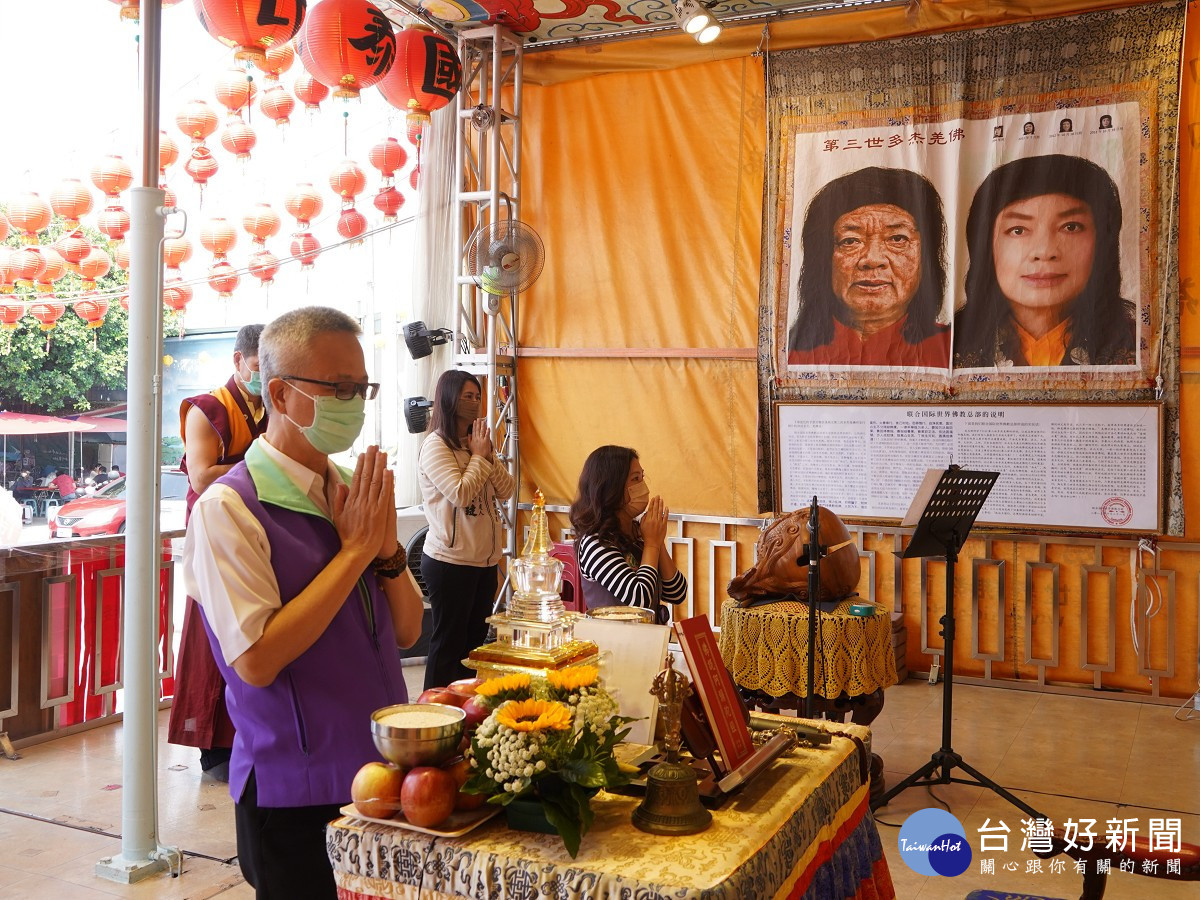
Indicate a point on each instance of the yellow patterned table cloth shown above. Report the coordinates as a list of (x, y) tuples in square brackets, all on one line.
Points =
[(802, 829), (766, 649)]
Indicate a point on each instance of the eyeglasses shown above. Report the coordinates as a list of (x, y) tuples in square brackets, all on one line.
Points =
[(343, 390)]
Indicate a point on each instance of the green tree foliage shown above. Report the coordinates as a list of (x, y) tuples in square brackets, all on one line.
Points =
[(53, 371)]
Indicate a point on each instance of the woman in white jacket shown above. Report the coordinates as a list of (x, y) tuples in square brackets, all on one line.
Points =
[(461, 484)]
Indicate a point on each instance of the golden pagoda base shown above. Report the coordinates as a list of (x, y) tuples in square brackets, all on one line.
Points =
[(504, 659)]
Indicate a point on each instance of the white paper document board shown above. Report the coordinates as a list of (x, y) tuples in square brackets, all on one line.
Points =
[(1087, 467), (638, 652)]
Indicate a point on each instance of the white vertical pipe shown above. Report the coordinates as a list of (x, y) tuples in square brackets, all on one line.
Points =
[(139, 800)]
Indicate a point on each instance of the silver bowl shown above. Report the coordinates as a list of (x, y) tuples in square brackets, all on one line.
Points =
[(423, 744)]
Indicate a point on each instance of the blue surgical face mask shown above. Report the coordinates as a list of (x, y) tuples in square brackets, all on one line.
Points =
[(336, 423), (254, 385)]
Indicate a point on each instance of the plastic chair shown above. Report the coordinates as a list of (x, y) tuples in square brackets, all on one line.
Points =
[(572, 587), (52, 503)]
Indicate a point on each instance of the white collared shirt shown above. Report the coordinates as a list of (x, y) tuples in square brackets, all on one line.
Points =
[(227, 558)]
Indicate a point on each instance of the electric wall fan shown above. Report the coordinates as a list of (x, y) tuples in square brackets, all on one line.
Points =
[(505, 257)]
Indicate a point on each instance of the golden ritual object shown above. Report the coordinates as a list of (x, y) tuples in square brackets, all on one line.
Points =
[(535, 633), (672, 803)]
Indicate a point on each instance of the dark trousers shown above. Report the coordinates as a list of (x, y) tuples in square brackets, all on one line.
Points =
[(281, 850), (460, 598)]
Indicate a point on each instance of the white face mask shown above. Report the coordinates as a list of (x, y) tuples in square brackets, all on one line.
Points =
[(639, 497)]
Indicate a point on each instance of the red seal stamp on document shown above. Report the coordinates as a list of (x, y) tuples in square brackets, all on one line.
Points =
[(1116, 511)]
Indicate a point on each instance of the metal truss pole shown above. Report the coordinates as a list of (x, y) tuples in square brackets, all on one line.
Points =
[(488, 190)]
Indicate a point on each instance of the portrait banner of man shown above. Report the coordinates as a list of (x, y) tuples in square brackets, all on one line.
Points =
[(958, 217)]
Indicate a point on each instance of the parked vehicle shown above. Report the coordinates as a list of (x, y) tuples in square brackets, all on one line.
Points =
[(104, 511)]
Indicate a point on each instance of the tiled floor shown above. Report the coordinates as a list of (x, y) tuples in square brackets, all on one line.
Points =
[(60, 805)]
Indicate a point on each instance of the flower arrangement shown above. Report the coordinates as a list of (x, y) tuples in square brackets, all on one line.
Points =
[(551, 739)]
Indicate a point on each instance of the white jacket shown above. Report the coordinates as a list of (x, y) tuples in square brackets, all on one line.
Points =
[(460, 492)]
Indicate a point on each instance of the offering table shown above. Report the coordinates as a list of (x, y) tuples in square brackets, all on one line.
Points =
[(802, 828)]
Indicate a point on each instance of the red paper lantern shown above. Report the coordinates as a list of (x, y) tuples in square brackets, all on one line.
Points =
[(177, 295), (71, 200), (278, 59), (277, 104), (235, 89), (169, 198), (56, 267), (263, 266), (176, 251), (96, 265), (92, 310), (222, 278), (309, 91), (201, 165), (306, 248), (351, 224), (112, 175), (47, 312), (388, 156), (346, 44), (261, 223), (426, 76), (3, 227), (124, 301), (197, 120), (168, 152), (389, 201), (73, 247), (121, 256), (29, 214), (303, 202), (218, 237), (414, 178), (114, 222), (11, 315), (28, 264), (238, 138), (6, 271), (251, 26), (347, 180), (131, 9)]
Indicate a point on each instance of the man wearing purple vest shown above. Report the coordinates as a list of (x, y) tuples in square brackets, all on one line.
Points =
[(305, 597)]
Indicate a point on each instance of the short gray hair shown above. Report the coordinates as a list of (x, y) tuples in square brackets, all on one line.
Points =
[(246, 342), (283, 345)]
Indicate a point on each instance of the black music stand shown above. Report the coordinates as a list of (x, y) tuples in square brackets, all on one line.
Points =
[(945, 522)]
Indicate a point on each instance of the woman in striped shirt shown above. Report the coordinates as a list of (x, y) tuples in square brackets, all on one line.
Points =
[(622, 561)]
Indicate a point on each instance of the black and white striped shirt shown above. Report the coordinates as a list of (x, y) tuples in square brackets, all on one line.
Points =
[(631, 585)]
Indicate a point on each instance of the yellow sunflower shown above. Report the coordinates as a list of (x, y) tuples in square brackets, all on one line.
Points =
[(534, 715), (573, 678), (494, 686)]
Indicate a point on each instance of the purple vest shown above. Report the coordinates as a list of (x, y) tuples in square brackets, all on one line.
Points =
[(307, 733)]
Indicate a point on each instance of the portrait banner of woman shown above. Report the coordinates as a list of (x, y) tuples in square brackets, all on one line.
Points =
[(873, 280), (1043, 285)]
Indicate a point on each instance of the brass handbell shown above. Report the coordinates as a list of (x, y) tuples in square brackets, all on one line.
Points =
[(672, 803)]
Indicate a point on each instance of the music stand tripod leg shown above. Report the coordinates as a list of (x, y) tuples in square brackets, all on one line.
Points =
[(945, 759)]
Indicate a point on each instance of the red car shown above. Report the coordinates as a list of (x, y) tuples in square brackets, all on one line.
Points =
[(104, 511)]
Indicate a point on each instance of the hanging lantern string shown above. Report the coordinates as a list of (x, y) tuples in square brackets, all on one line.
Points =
[(346, 132), (77, 296)]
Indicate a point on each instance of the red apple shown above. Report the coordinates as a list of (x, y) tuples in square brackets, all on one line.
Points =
[(441, 695), (427, 795), (376, 790), (466, 686), (477, 710), (460, 769)]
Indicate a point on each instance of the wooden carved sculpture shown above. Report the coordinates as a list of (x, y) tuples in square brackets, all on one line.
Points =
[(781, 566)]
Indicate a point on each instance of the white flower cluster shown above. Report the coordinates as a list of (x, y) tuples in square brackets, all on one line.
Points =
[(593, 710), (510, 756)]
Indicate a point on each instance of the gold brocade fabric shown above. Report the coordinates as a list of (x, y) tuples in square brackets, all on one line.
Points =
[(766, 649), (763, 839)]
